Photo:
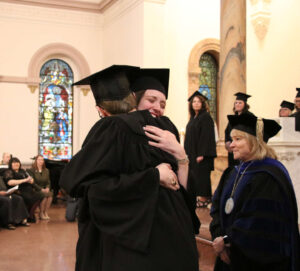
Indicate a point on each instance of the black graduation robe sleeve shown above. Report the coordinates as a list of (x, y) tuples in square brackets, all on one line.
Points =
[(205, 143), (122, 205), (260, 234), (215, 225)]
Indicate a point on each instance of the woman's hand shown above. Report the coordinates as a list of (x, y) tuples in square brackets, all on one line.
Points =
[(221, 250), (224, 255), (29, 180), (199, 159), (45, 190), (167, 177), (165, 141), (3, 193), (218, 245)]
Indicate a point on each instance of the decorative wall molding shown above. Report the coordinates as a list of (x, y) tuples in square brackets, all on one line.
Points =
[(211, 46), (260, 17), (99, 7), (37, 14), (85, 91), (123, 7), (56, 50), (50, 51)]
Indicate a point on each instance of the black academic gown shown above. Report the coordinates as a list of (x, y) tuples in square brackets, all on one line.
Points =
[(297, 120), (263, 225), (127, 221), (200, 141)]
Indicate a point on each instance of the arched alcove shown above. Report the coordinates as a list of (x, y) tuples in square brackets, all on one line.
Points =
[(211, 46), (55, 50)]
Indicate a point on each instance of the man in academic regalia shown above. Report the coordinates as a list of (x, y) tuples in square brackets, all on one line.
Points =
[(286, 109), (297, 113)]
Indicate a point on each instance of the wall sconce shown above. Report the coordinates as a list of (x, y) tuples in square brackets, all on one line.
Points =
[(32, 88), (85, 91), (260, 17)]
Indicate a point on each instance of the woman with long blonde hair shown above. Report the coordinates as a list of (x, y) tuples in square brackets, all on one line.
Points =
[(254, 209)]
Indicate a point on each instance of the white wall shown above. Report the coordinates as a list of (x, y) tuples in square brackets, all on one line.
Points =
[(186, 24), (273, 66), (24, 30)]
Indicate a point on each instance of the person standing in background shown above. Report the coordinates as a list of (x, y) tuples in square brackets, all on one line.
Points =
[(240, 106), (4, 163), (297, 113), (286, 109), (200, 146)]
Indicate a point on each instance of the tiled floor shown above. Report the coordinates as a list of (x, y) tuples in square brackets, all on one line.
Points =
[(50, 245), (44, 246)]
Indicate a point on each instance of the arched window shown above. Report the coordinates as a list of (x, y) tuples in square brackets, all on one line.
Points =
[(56, 110), (208, 81)]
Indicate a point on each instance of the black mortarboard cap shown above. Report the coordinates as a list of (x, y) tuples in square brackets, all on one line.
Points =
[(242, 96), (247, 123), (298, 92), (157, 79), (110, 84), (289, 105), (196, 93)]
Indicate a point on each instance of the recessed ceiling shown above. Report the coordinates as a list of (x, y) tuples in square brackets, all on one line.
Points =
[(96, 6)]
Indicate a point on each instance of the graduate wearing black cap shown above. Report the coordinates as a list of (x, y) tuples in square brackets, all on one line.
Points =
[(240, 107), (127, 189), (286, 109), (254, 209), (200, 146)]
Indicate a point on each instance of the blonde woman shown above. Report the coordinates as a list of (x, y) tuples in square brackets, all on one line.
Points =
[(254, 210)]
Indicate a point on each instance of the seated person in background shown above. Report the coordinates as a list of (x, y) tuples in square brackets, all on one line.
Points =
[(41, 177), (4, 163), (286, 109), (15, 175), (13, 210)]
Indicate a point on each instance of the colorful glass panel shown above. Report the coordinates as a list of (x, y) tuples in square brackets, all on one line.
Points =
[(208, 81), (56, 110)]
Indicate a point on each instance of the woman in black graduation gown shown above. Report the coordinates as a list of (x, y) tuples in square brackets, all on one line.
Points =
[(15, 175), (240, 106), (200, 146), (134, 215), (254, 210)]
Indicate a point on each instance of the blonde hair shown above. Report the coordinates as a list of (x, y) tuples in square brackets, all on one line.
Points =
[(119, 106), (258, 148)]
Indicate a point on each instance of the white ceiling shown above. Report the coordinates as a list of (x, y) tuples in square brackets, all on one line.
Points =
[(83, 5)]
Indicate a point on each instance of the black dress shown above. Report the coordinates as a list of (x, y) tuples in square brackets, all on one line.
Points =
[(200, 141), (263, 225), (12, 208), (29, 194), (127, 221)]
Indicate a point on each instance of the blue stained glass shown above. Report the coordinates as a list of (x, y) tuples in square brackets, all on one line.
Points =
[(56, 110), (208, 81)]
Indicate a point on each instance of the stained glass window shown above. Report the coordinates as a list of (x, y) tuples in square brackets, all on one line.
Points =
[(56, 110), (208, 81)]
